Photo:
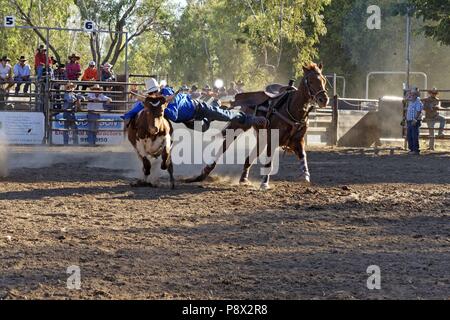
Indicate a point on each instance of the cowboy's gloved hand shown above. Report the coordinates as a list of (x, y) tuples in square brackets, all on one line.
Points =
[(414, 122)]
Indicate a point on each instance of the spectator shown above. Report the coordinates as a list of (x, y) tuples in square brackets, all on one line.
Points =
[(59, 74), (6, 75), (22, 73), (431, 105), (232, 91), (96, 95), (72, 102), (413, 119), (73, 68), (90, 74), (240, 86), (107, 73), (195, 94), (40, 60)]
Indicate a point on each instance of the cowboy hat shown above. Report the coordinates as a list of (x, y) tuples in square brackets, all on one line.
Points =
[(96, 87), (70, 86), (92, 63), (74, 56), (22, 58), (433, 91), (5, 58), (151, 86), (107, 65)]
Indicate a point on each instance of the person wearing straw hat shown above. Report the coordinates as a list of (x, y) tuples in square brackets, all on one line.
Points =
[(431, 106), (22, 73), (182, 108), (6, 74), (94, 97), (72, 103), (73, 68), (413, 120)]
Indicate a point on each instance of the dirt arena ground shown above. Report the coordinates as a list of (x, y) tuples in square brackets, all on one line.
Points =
[(73, 206)]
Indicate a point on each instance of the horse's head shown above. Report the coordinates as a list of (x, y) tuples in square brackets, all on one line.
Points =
[(314, 84), (154, 114)]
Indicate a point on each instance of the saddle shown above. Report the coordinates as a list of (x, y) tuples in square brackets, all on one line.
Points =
[(271, 92)]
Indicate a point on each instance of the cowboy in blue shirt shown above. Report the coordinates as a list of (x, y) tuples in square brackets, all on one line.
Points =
[(413, 120), (182, 108)]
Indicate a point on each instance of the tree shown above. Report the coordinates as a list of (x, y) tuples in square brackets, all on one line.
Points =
[(436, 15)]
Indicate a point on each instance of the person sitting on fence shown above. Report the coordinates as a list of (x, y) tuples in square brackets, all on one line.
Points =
[(431, 105), (22, 73), (413, 120), (40, 61), (195, 94), (232, 91), (73, 68), (240, 86), (72, 103), (96, 96), (108, 73), (89, 74), (182, 108), (6, 73), (58, 74)]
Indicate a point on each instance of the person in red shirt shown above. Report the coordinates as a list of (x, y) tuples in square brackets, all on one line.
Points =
[(40, 59), (73, 68), (90, 74)]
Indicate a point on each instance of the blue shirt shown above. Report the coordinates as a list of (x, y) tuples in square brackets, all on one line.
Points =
[(181, 108), (413, 108)]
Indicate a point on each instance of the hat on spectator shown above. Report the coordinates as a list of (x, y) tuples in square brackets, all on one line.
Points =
[(206, 87), (22, 58), (70, 86), (414, 90), (74, 56), (42, 47), (92, 63), (151, 86), (5, 58), (433, 91), (240, 83), (107, 65), (96, 87), (194, 87)]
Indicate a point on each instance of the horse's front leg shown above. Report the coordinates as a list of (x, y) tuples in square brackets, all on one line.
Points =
[(146, 167), (268, 166), (301, 154)]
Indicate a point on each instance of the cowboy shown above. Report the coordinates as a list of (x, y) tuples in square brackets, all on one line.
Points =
[(89, 74), (195, 94), (413, 119), (73, 68), (6, 73), (72, 102), (182, 108), (95, 95), (40, 60), (233, 90), (431, 105), (22, 73)]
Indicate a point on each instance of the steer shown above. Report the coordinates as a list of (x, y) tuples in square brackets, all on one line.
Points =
[(150, 134)]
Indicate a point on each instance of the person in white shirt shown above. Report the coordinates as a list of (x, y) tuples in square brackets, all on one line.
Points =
[(22, 72), (96, 95), (6, 73)]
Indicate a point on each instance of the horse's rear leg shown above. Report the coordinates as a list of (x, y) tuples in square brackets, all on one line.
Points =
[(245, 171), (268, 166)]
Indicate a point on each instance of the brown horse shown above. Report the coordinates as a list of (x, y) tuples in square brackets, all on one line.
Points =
[(150, 134), (286, 110)]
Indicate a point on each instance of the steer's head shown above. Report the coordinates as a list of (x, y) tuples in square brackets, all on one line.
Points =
[(154, 113)]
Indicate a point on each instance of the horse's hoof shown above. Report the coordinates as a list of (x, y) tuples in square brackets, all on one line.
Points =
[(244, 181), (264, 186), (141, 184), (195, 179)]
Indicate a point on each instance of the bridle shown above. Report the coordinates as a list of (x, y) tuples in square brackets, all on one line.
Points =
[(312, 95)]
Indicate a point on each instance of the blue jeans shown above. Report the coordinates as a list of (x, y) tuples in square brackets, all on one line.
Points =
[(71, 124), (92, 127), (412, 134), (19, 81)]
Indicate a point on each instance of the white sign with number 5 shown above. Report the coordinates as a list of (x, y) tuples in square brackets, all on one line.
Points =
[(10, 21), (89, 26)]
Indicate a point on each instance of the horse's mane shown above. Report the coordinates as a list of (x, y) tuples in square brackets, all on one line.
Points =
[(312, 66)]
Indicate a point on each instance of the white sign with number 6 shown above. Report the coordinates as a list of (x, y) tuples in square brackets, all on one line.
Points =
[(10, 21), (89, 26)]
